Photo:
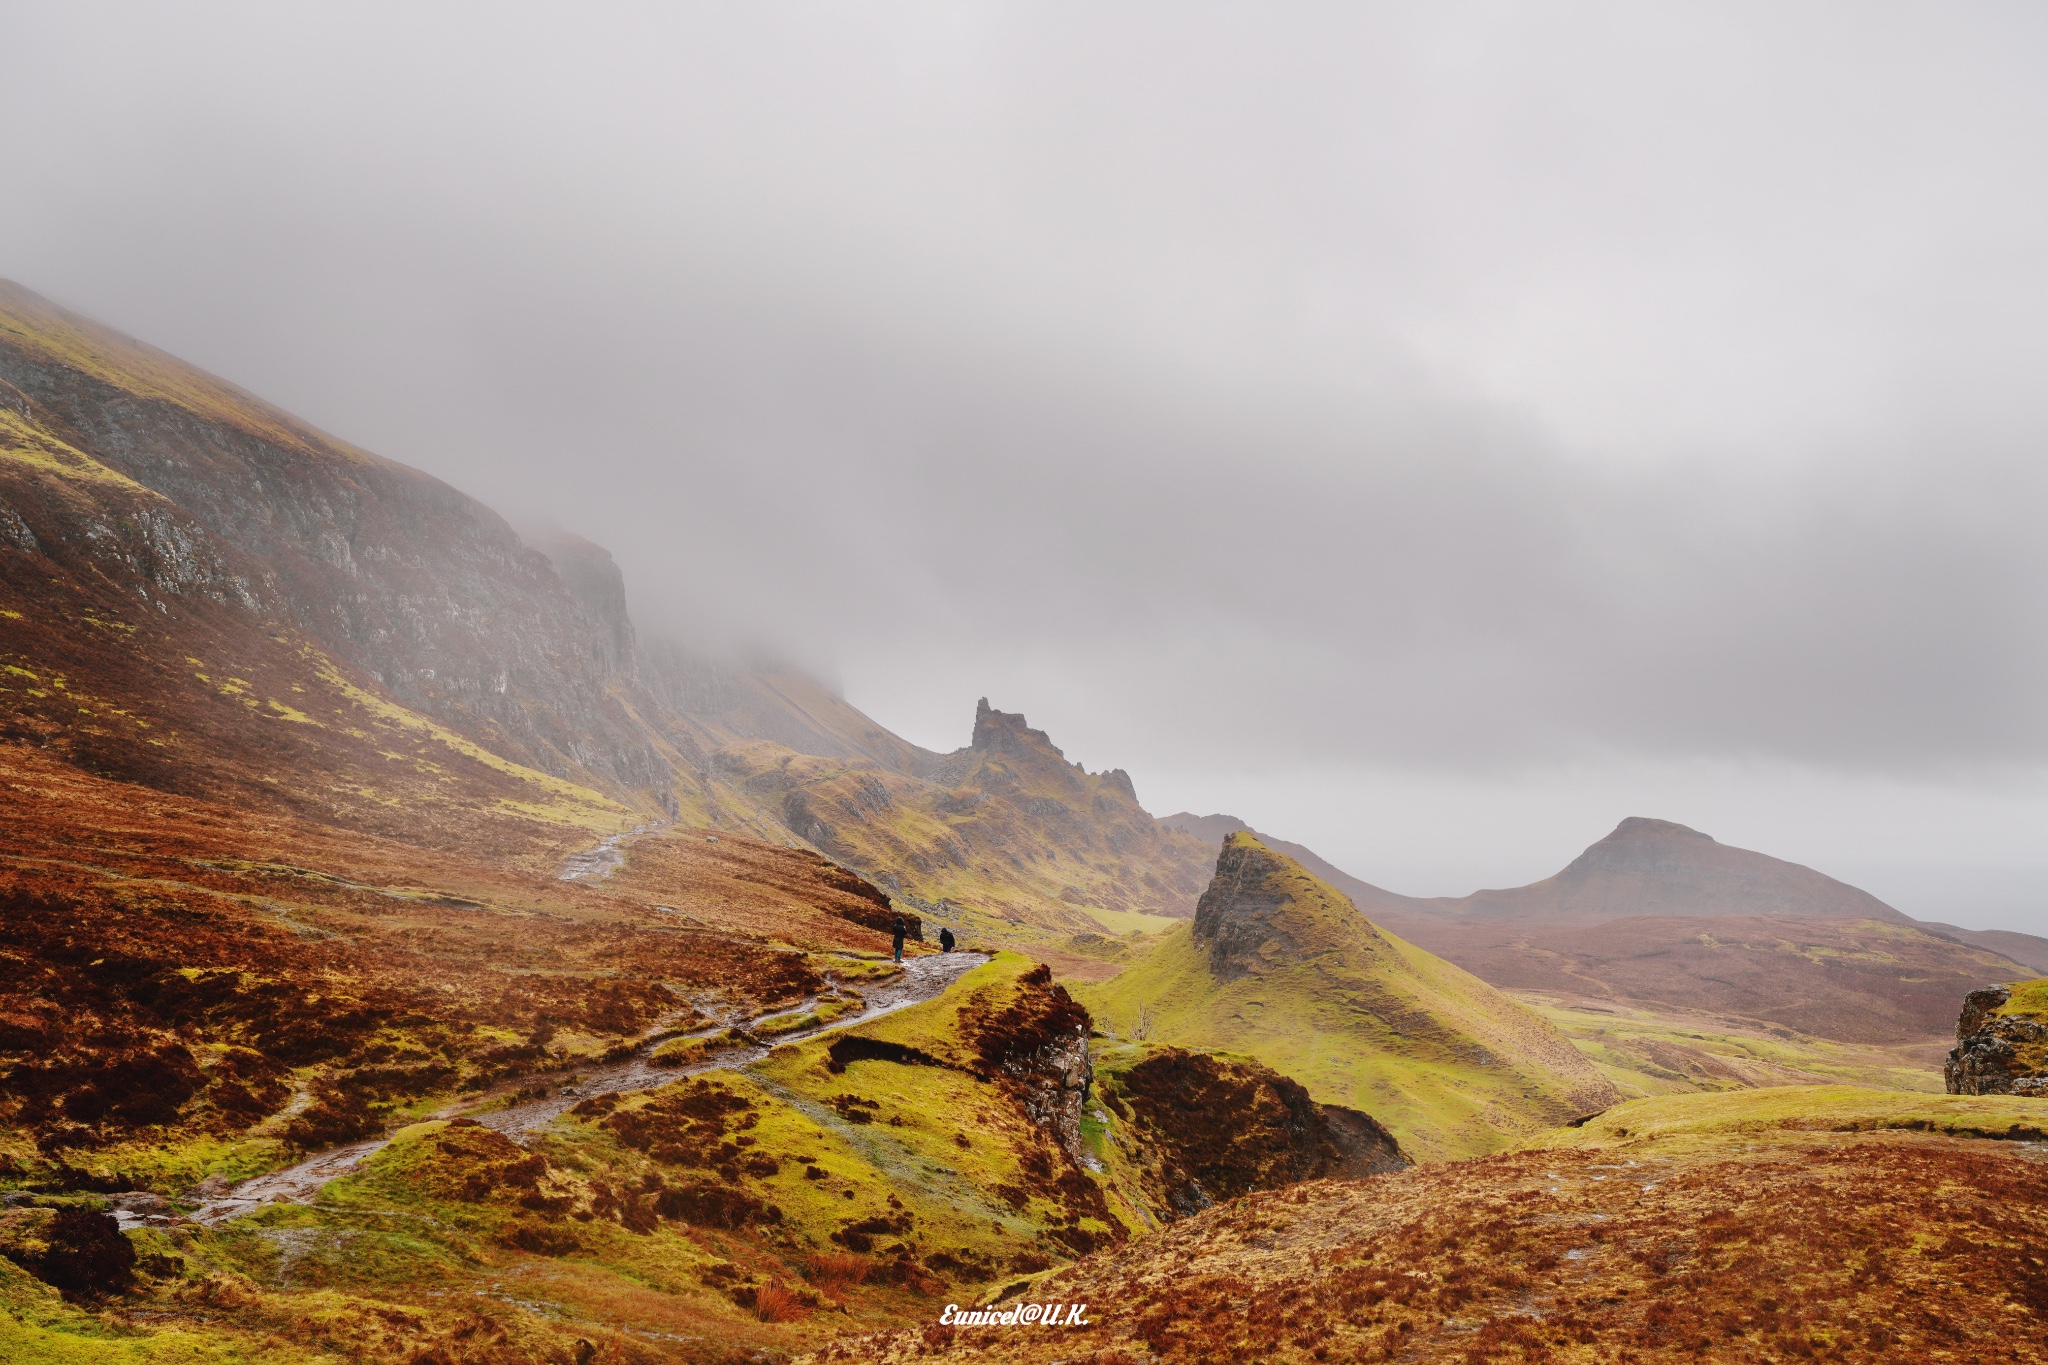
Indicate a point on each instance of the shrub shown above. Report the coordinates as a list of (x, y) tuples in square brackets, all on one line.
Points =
[(87, 1255)]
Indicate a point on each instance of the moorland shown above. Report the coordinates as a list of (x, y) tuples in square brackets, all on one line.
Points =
[(404, 959)]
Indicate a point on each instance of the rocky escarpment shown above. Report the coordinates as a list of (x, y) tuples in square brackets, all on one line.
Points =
[(426, 591), (1037, 1045), (2001, 1042), (257, 595)]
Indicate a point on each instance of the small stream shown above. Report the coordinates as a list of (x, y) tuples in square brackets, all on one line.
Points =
[(924, 978)]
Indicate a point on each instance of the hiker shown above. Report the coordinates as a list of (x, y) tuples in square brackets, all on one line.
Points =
[(946, 939), (902, 932)]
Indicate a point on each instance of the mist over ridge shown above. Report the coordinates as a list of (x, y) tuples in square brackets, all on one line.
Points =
[(1455, 436)]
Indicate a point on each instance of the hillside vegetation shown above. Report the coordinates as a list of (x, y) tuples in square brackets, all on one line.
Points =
[(1280, 966), (1762, 1227)]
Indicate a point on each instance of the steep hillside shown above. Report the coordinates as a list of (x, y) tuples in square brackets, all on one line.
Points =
[(201, 593), (1280, 966), (1762, 1227), (189, 988), (138, 646), (191, 490)]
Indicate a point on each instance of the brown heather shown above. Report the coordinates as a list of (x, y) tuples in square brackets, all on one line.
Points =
[(1840, 1248)]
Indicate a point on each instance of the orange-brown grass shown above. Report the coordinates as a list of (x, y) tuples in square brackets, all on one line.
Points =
[(1843, 1248), (777, 1302), (170, 962), (833, 1271)]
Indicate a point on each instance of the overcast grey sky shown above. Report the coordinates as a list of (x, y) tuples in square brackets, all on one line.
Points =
[(1429, 432)]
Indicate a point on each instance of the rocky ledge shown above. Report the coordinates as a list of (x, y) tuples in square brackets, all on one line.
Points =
[(2001, 1042)]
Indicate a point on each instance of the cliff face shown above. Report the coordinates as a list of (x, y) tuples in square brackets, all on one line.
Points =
[(2001, 1042), (424, 590), (1259, 913)]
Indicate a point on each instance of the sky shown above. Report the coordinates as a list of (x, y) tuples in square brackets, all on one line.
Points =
[(1429, 432)]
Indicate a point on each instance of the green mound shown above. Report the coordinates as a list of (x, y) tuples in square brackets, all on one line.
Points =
[(1281, 967), (1805, 1109)]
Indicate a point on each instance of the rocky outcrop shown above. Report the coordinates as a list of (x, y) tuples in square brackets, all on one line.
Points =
[(1253, 916), (2001, 1044), (1037, 1045), (1007, 827)]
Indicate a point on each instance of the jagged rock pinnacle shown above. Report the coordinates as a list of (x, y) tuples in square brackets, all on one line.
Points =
[(1007, 732)]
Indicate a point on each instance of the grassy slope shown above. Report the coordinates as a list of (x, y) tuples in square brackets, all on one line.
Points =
[(1779, 1111), (1450, 1065), (1648, 1050), (939, 1130)]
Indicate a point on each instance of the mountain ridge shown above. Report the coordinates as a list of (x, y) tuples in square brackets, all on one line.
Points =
[(263, 587)]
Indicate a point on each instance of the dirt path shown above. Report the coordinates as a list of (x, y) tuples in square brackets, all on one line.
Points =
[(924, 978), (607, 856)]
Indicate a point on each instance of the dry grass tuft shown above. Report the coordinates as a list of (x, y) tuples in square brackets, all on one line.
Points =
[(777, 1302)]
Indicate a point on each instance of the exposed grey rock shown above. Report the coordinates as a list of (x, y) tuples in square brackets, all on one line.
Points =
[(1997, 1054)]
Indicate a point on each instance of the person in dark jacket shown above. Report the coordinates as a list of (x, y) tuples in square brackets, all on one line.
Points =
[(946, 939), (902, 932)]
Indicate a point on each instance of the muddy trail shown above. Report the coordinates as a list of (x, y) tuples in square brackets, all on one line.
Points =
[(924, 978), (607, 856)]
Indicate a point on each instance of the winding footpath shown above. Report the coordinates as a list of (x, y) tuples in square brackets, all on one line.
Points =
[(924, 978)]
